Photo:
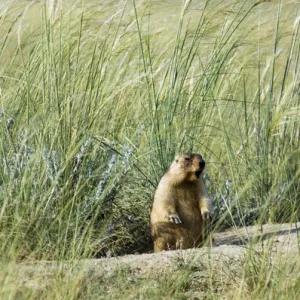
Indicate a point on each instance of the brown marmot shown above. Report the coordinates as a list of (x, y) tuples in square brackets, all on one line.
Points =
[(181, 209)]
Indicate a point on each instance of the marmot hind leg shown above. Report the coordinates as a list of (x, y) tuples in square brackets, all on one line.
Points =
[(160, 245), (171, 243), (169, 236)]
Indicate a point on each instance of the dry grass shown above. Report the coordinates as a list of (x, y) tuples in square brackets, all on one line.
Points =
[(96, 99)]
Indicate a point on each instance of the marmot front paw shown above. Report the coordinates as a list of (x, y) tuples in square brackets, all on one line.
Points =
[(175, 219), (206, 214)]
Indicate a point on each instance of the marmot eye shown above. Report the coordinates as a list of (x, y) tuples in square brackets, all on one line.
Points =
[(187, 158)]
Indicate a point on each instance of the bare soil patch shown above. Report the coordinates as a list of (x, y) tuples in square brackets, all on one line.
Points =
[(229, 244), (222, 264)]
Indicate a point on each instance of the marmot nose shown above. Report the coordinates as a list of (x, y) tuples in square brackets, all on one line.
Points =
[(202, 164)]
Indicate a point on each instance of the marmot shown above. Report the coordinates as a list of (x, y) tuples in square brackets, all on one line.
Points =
[(181, 208)]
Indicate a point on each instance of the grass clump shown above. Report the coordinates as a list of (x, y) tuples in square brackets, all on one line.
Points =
[(93, 113), (96, 99)]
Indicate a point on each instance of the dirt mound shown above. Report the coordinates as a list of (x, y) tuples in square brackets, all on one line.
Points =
[(228, 244), (221, 266)]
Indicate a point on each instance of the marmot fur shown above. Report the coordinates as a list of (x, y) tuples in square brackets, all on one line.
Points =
[(181, 209)]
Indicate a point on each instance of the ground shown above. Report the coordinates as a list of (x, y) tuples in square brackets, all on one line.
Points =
[(221, 264)]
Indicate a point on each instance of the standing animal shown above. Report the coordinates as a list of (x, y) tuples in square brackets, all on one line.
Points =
[(181, 208)]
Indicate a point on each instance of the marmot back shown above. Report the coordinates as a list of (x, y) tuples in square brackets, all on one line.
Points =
[(181, 207)]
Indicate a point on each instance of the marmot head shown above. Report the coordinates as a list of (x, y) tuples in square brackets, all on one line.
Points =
[(192, 164)]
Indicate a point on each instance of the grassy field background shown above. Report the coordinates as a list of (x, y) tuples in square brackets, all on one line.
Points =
[(97, 97)]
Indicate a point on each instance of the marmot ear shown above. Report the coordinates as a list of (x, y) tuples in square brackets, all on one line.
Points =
[(177, 157)]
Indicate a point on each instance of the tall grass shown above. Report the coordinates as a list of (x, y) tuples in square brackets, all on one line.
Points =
[(97, 98)]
